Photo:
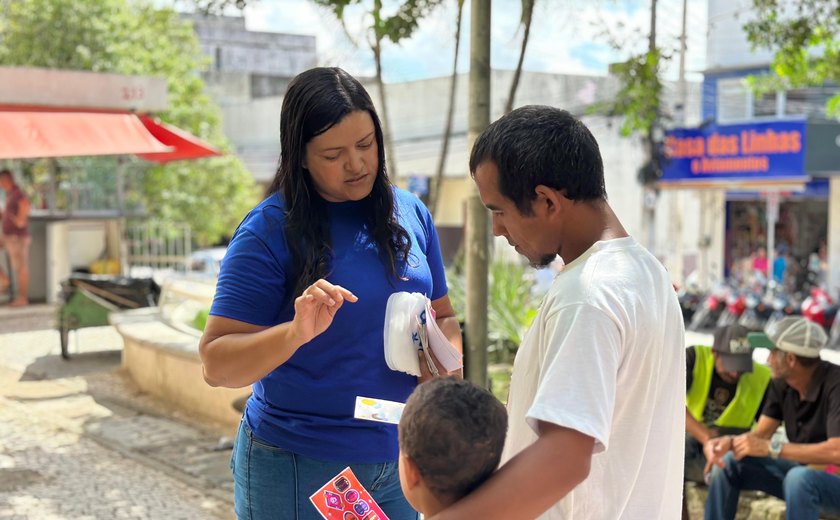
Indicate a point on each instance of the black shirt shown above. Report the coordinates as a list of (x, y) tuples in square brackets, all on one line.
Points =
[(720, 395), (817, 417)]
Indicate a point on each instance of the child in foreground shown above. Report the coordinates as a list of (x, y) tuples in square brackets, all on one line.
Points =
[(451, 437)]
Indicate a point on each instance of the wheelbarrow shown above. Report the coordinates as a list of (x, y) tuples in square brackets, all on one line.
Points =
[(88, 299)]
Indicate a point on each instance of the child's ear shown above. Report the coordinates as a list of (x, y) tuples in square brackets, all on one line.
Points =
[(409, 473)]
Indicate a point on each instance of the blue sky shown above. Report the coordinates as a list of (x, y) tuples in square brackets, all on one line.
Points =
[(566, 35)]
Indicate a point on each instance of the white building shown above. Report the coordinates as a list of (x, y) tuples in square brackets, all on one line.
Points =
[(248, 74)]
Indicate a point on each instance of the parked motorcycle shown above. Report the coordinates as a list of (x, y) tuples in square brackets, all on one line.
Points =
[(819, 307), (711, 309), (690, 300), (784, 305), (736, 303), (757, 311)]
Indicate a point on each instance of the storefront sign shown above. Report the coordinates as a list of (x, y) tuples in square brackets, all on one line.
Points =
[(747, 153), (80, 90)]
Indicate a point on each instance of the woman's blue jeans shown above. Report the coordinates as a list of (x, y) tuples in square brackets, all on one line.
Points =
[(806, 492), (272, 483)]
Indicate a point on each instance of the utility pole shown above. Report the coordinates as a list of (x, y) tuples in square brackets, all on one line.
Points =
[(476, 233), (649, 192), (677, 196)]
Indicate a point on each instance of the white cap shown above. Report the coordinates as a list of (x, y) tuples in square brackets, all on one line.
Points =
[(799, 336)]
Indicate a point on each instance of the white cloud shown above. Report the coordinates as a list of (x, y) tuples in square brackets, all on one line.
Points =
[(565, 36)]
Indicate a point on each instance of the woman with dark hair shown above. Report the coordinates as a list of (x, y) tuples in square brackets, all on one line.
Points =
[(300, 306)]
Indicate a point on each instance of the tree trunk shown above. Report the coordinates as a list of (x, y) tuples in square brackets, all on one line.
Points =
[(434, 194), (391, 159), (527, 15), (477, 236)]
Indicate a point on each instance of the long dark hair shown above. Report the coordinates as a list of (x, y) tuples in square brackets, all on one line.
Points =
[(315, 101)]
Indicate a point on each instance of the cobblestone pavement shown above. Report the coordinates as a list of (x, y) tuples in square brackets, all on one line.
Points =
[(79, 441)]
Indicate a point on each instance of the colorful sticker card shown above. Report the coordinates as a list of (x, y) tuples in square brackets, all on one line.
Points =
[(380, 410), (344, 498)]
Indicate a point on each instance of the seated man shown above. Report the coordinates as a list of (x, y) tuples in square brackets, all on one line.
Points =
[(451, 437), (724, 393), (805, 395)]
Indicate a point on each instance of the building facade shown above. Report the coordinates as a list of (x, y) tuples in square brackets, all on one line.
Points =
[(774, 195), (247, 77)]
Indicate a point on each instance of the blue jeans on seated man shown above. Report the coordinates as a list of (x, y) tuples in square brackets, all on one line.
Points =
[(806, 492), (272, 483)]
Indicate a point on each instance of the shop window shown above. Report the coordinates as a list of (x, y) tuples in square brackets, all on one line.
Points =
[(765, 105), (808, 101), (737, 101), (732, 100)]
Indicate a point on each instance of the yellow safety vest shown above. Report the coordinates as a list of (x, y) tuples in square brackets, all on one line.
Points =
[(742, 409)]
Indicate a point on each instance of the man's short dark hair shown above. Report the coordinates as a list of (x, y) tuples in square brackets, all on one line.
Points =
[(536, 145), (454, 433), (6, 173), (807, 362)]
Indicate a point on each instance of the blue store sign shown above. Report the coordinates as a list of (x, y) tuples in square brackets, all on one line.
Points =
[(755, 153)]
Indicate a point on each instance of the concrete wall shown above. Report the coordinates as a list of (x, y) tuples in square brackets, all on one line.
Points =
[(233, 48), (165, 363), (253, 126)]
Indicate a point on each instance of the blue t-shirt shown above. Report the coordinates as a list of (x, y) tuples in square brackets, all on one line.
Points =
[(306, 405)]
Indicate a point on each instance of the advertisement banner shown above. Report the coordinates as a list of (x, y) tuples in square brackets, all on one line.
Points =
[(750, 153)]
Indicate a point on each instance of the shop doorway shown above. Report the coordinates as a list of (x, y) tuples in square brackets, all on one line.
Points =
[(800, 235)]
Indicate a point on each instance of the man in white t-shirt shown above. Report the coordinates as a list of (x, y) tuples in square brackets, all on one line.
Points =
[(597, 398)]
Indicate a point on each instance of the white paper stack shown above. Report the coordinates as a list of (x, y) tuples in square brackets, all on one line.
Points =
[(410, 326), (443, 350)]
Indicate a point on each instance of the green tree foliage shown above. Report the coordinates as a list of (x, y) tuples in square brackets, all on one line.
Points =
[(511, 305), (396, 27), (126, 37), (639, 95), (806, 37)]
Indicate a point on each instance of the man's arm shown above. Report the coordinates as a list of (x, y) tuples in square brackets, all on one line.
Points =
[(766, 427), (697, 429), (531, 482), (827, 452), (715, 449)]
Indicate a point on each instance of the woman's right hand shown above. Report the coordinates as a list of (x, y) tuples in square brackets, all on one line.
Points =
[(316, 308)]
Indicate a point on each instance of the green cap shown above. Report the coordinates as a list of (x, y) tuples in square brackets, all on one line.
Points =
[(760, 340)]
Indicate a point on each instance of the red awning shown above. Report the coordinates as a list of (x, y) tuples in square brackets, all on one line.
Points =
[(33, 134), (26, 135), (184, 144)]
